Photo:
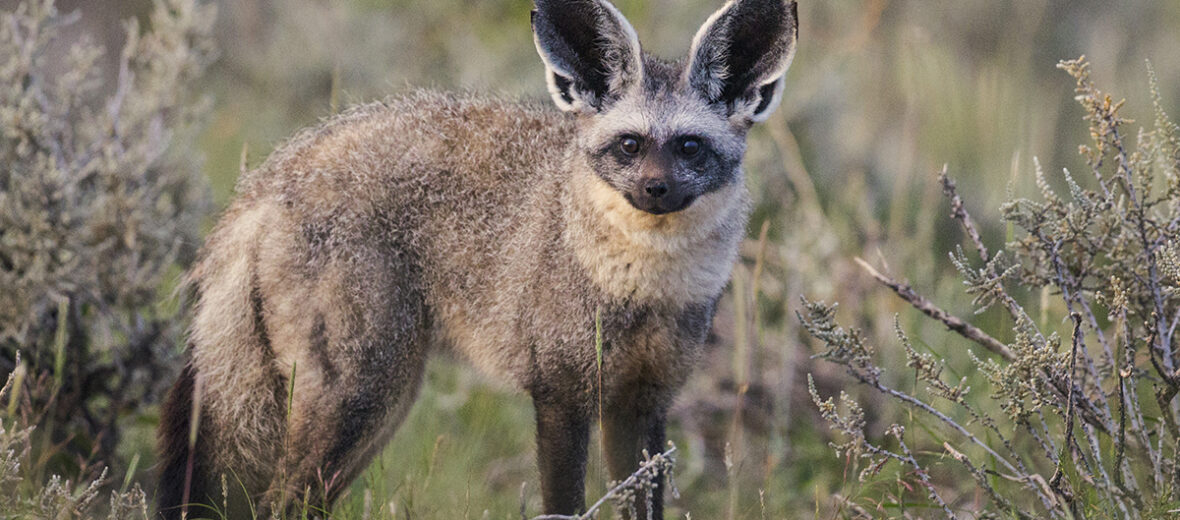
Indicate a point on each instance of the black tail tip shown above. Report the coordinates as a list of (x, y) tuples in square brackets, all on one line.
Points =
[(179, 478)]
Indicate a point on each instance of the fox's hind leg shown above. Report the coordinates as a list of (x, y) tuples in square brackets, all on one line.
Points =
[(357, 363)]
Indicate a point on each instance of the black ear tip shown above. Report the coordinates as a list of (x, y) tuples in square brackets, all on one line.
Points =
[(794, 9), (548, 5)]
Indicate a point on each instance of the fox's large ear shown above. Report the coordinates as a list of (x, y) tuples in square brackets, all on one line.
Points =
[(740, 55), (590, 51)]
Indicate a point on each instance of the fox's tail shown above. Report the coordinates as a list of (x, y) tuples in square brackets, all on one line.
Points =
[(183, 472)]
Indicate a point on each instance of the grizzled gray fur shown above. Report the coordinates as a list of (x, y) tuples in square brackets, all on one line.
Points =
[(495, 229)]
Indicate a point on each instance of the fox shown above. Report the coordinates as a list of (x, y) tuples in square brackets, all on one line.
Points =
[(523, 238)]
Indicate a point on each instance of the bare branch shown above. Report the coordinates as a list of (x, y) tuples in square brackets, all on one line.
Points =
[(1070, 443), (928, 308)]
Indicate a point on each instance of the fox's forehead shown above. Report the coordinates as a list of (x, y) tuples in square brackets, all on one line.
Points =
[(663, 107)]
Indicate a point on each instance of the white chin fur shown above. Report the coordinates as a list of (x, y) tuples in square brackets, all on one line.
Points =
[(685, 256)]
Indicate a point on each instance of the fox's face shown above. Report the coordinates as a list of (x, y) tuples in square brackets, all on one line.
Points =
[(661, 134)]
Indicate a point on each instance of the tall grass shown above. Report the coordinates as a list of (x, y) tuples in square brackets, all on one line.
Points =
[(25, 494)]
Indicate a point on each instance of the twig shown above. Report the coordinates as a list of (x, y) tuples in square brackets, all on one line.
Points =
[(523, 515), (981, 477), (1065, 281), (1070, 444), (928, 308), (856, 509), (923, 475), (959, 212)]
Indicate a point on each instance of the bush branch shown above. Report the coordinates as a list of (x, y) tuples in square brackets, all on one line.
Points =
[(928, 308)]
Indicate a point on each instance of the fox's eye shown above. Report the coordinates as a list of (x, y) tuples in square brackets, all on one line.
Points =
[(690, 147), (629, 145)]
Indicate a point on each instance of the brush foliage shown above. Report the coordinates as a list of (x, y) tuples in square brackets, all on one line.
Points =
[(1080, 419), (101, 197)]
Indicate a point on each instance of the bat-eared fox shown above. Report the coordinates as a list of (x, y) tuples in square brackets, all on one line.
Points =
[(506, 232)]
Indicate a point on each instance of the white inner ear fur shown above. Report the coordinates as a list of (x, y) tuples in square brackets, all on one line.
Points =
[(776, 97), (780, 76), (551, 73), (617, 79)]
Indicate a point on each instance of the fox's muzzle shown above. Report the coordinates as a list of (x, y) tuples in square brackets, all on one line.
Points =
[(659, 195), (657, 191)]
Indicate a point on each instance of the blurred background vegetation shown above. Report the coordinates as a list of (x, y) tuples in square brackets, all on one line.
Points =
[(882, 94)]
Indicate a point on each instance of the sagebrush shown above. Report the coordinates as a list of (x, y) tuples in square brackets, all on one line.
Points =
[(59, 498), (101, 198), (1081, 421)]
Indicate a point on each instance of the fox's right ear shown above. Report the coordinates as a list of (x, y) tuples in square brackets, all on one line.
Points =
[(591, 52)]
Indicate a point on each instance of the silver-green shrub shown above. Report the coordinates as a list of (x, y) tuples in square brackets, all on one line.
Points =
[(58, 498), (101, 199), (1080, 422)]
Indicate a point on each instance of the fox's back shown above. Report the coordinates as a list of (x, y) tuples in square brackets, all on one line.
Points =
[(444, 177), (423, 159), (446, 189)]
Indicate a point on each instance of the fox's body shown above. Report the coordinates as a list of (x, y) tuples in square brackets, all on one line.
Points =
[(473, 224)]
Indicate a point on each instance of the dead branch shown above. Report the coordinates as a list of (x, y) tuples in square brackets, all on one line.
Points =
[(928, 308)]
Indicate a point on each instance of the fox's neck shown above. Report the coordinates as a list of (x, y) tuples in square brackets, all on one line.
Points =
[(676, 258)]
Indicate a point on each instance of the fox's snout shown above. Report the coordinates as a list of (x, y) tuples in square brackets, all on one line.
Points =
[(659, 195)]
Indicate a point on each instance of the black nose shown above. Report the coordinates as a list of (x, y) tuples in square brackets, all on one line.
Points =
[(656, 188)]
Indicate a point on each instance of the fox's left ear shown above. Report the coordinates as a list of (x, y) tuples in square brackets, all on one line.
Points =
[(740, 55)]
